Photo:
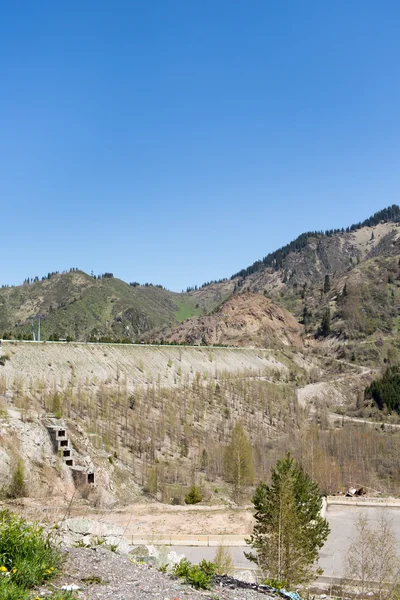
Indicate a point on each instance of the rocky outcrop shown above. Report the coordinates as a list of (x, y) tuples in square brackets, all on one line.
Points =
[(244, 320)]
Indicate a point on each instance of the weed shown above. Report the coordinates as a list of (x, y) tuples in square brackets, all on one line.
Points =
[(11, 591), (223, 561), (17, 485), (62, 595), (199, 576), (26, 553), (93, 580)]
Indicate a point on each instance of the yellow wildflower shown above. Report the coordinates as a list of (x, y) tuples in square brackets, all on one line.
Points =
[(3, 569), (14, 570)]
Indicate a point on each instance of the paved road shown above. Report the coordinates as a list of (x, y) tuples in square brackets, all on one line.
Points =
[(342, 522)]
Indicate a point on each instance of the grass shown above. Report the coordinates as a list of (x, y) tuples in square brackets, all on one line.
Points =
[(28, 558), (77, 306), (186, 309)]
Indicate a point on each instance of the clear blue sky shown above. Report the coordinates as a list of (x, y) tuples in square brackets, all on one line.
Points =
[(179, 141)]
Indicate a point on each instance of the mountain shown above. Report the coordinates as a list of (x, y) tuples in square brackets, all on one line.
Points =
[(307, 277), (77, 306), (244, 320), (349, 277), (321, 252)]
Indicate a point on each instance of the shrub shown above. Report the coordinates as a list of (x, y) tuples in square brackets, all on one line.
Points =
[(26, 552), (194, 496), (17, 486), (199, 576), (3, 359), (223, 561)]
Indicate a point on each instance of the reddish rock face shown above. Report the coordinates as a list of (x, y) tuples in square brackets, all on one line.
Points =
[(244, 320)]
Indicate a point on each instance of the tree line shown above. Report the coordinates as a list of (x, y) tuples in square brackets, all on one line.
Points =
[(276, 259)]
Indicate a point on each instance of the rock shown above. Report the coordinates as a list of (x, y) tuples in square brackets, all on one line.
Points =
[(94, 533), (70, 588), (139, 551)]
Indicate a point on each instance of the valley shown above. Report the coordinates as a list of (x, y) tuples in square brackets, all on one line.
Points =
[(150, 389)]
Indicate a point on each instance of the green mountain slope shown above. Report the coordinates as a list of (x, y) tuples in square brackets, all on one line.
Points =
[(76, 306)]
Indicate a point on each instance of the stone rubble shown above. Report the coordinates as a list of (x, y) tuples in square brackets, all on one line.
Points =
[(103, 575)]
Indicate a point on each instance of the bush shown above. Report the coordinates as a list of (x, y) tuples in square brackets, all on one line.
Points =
[(3, 359), (223, 561), (199, 576), (194, 496), (17, 485), (26, 552)]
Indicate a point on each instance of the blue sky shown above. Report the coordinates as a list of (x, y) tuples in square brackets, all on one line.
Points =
[(178, 141)]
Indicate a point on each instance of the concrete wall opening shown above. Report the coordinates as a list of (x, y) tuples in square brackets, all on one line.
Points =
[(61, 433), (67, 453), (69, 463), (64, 443), (90, 478)]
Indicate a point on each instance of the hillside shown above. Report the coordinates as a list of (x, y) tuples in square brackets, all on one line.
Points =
[(360, 259), (145, 417), (244, 320), (77, 306), (316, 248), (151, 420), (154, 419)]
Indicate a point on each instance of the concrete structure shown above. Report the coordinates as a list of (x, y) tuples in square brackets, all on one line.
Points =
[(63, 447)]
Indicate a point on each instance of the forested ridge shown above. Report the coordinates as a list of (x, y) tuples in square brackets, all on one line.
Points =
[(385, 392), (275, 259)]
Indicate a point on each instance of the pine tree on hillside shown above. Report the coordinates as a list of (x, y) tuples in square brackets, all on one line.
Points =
[(289, 530), (327, 284)]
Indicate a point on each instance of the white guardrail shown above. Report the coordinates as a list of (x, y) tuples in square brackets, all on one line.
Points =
[(362, 501)]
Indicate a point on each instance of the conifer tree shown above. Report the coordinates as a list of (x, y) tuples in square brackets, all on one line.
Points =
[(325, 327), (289, 530)]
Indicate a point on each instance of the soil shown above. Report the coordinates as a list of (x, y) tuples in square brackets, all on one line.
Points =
[(149, 520)]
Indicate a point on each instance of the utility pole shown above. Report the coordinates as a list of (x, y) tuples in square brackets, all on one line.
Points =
[(39, 330), (33, 331)]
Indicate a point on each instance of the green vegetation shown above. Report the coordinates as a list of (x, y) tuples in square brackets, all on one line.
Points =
[(385, 392), (77, 306), (17, 487), (194, 495), (187, 307), (223, 561), (199, 576), (325, 327), (289, 530), (276, 259), (28, 557), (238, 461)]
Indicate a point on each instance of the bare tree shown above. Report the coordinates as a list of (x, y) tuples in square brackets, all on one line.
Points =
[(372, 560)]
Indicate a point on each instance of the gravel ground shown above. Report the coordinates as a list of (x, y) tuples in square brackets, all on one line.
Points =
[(123, 580)]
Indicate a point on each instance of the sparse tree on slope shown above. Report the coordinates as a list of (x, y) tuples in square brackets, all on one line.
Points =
[(289, 530), (325, 327), (238, 461)]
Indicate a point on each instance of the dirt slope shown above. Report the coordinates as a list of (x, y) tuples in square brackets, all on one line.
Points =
[(244, 320)]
